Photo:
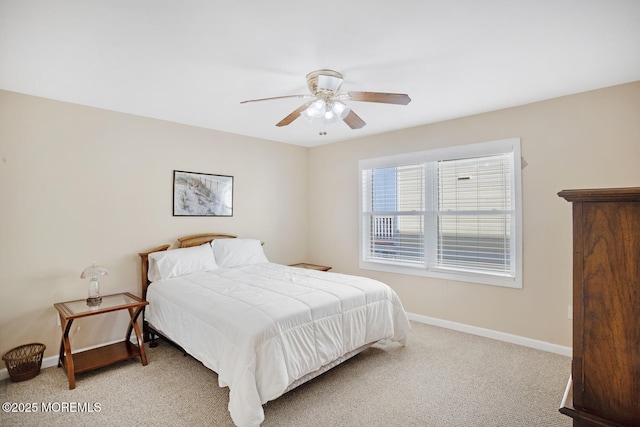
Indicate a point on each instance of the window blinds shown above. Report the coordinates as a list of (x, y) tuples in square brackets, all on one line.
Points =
[(474, 214), (448, 214), (394, 213)]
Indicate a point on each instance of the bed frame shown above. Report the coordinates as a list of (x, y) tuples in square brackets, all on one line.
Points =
[(151, 334)]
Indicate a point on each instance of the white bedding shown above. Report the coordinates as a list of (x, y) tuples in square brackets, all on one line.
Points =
[(263, 326)]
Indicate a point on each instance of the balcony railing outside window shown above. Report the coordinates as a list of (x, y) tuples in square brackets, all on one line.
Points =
[(457, 216)]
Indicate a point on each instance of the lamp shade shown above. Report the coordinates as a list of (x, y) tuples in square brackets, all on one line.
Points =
[(92, 273)]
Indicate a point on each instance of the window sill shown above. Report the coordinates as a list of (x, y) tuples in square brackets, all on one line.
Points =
[(485, 279)]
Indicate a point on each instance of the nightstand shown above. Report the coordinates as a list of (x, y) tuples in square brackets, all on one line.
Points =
[(75, 363), (311, 266)]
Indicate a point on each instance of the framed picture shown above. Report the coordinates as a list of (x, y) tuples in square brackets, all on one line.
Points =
[(202, 194)]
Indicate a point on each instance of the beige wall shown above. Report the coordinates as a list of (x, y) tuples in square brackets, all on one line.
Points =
[(587, 140), (79, 184)]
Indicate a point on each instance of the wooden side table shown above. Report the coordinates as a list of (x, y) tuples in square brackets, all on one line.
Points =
[(84, 361), (311, 266)]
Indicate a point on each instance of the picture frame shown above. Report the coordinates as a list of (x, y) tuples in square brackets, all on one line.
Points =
[(202, 194)]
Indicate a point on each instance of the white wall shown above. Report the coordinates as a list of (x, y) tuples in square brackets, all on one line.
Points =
[(588, 140), (79, 184)]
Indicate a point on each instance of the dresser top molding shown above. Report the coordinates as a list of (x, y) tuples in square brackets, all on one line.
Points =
[(631, 194)]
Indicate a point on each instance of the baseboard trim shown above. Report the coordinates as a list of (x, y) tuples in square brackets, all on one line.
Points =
[(50, 361), (47, 362), (496, 335)]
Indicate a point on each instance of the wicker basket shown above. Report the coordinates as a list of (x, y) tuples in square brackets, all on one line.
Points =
[(24, 362)]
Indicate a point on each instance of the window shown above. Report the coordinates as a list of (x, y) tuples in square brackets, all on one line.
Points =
[(452, 213)]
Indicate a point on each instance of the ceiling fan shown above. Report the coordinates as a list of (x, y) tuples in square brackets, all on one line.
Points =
[(326, 100)]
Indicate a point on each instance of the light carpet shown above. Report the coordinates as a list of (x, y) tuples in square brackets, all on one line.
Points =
[(441, 378)]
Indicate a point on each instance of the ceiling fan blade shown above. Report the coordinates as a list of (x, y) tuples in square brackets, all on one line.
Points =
[(275, 97), (353, 120), (293, 115), (385, 98)]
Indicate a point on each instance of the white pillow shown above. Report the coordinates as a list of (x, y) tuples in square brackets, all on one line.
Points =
[(179, 262), (153, 274), (235, 252)]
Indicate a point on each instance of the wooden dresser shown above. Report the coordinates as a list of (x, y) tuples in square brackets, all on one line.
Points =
[(604, 389)]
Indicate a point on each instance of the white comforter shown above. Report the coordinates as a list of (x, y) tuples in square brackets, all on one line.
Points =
[(263, 326)]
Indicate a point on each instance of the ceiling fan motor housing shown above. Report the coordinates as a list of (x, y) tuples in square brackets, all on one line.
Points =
[(324, 81)]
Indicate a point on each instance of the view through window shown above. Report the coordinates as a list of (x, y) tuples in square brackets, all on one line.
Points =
[(448, 213)]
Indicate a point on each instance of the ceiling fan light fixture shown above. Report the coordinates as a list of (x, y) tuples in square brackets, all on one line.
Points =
[(340, 109), (330, 117), (324, 88), (307, 115), (315, 110), (317, 107)]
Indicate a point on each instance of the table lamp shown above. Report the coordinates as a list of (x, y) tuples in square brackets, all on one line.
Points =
[(93, 272)]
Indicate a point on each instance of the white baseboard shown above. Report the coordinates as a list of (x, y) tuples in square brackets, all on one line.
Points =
[(47, 362), (50, 361), (496, 335)]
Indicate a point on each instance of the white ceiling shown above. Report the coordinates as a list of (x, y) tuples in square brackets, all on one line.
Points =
[(193, 61)]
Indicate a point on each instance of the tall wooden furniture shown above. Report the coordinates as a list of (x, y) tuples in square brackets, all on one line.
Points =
[(606, 308)]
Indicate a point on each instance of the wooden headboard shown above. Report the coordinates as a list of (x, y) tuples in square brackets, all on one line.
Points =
[(183, 242)]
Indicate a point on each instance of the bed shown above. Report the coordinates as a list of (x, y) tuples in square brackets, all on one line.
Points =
[(264, 328)]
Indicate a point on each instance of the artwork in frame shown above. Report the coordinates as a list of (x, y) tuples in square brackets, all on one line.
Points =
[(202, 194)]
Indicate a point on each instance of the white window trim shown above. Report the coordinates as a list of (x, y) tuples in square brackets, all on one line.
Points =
[(510, 145)]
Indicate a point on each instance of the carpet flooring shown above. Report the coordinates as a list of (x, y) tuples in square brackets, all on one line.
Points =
[(441, 378)]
